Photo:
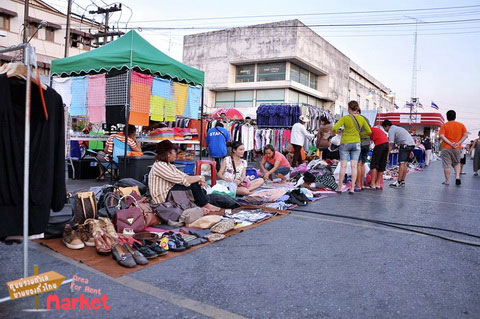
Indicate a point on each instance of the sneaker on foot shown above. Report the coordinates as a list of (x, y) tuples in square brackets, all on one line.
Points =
[(396, 185), (402, 184), (458, 182)]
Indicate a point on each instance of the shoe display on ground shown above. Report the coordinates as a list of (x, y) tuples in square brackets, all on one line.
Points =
[(153, 245), (71, 238), (147, 252), (108, 227), (139, 258), (85, 232), (101, 245), (122, 256)]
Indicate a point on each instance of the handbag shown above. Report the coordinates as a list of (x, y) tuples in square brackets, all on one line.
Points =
[(84, 206), (190, 215), (166, 211), (223, 226), (132, 217), (58, 220), (181, 199)]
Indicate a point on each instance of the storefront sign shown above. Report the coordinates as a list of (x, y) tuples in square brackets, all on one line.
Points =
[(35, 285), (407, 118)]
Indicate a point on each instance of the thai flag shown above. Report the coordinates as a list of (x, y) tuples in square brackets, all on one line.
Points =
[(420, 105), (396, 106), (409, 104), (435, 106)]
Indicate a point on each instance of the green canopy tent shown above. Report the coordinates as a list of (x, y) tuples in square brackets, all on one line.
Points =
[(130, 52)]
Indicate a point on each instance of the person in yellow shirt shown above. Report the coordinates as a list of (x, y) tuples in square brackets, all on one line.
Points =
[(350, 144)]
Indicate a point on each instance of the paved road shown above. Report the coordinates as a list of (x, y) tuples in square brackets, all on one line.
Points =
[(304, 265)]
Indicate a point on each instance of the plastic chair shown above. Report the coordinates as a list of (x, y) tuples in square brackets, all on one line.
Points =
[(213, 169)]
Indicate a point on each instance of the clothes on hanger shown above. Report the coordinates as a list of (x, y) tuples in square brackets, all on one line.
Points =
[(47, 157), (277, 115)]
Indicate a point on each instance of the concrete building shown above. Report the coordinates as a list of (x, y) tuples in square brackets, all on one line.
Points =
[(49, 41), (284, 62)]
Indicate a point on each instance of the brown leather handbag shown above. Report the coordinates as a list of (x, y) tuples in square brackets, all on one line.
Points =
[(132, 217)]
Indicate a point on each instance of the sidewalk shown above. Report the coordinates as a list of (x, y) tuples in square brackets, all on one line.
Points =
[(303, 265)]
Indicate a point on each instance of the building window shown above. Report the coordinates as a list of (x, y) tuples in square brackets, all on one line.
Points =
[(32, 30), (294, 73), (234, 99), (303, 76), (313, 81), (50, 34), (245, 73), (270, 96), (5, 22), (87, 44), (74, 40), (271, 72)]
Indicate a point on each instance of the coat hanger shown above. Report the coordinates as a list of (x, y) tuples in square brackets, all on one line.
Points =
[(19, 70)]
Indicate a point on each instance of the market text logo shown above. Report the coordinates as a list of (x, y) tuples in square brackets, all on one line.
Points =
[(82, 302), (35, 285)]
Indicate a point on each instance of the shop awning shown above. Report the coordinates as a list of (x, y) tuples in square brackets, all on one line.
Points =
[(402, 119), (129, 51)]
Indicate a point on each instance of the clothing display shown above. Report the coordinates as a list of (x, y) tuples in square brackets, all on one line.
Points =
[(277, 115), (248, 137), (79, 96), (279, 138), (140, 92), (63, 87), (180, 96), (96, 98), (47, 157), (194, 102)]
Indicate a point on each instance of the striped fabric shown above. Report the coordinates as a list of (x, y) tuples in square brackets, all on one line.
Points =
[(162, 177), (121, 138)]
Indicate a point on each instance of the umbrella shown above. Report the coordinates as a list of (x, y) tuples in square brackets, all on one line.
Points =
[(230, 113)]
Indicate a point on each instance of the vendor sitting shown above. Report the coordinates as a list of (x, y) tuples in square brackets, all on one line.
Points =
[(164, 177), (107, 156), (234, 169), (274, 164)]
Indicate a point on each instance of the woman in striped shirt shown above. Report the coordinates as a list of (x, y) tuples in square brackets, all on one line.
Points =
[(164, 177)]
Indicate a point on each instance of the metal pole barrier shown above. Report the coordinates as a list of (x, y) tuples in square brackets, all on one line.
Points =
[(26, 164)]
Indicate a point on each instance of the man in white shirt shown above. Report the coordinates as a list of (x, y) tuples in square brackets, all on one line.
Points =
[(297, 139)]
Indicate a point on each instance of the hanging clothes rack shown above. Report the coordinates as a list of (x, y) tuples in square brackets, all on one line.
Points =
[(29, 58)]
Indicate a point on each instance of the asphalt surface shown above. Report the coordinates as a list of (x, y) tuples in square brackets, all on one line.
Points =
[(305, 265)]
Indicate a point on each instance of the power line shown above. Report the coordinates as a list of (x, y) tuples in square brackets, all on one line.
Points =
[(309, 14)]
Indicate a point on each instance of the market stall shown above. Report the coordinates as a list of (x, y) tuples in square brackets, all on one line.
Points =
[(129, 81)]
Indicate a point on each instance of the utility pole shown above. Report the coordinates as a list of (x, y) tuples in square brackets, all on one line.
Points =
[(25, 21), (106, 12), (67, 36)]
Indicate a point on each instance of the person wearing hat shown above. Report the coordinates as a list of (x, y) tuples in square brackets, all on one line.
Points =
[(297, 139), (164, 177)]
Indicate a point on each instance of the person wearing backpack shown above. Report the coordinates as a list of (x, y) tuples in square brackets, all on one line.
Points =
[(350, 144)]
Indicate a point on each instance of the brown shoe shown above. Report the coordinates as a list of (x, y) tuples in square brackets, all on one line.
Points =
[(122, 256), (86, 234), (101, 245), (108, 227), (71, 239)]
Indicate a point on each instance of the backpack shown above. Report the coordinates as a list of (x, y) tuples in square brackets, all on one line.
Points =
[(84, 206)]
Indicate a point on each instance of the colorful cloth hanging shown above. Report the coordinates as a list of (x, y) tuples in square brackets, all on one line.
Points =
[(181, 95), (96, 97), (193, 102), (140, 92), (63, 87), (162, 91), (79, 96)]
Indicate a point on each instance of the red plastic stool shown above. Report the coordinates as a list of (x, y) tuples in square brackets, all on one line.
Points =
[(213, 169)]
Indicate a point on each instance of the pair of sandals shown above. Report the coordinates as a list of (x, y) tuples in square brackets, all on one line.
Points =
[(175, 241)]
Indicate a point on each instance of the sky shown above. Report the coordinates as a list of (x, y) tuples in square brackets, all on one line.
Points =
[(448, 58)]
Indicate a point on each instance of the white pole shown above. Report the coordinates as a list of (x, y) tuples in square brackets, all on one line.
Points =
[(26, 166)]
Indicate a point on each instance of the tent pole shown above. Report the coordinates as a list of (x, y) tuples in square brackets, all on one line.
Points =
[(201, 125), (127, 117)]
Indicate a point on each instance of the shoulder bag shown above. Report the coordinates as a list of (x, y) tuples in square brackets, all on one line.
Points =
[(132, 217)]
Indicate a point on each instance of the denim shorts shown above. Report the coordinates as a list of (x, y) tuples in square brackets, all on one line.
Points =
[(280, 170), (350, 152)]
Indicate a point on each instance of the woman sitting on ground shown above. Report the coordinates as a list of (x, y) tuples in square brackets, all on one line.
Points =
[(165, 177), (274, 164), (234, 169)]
